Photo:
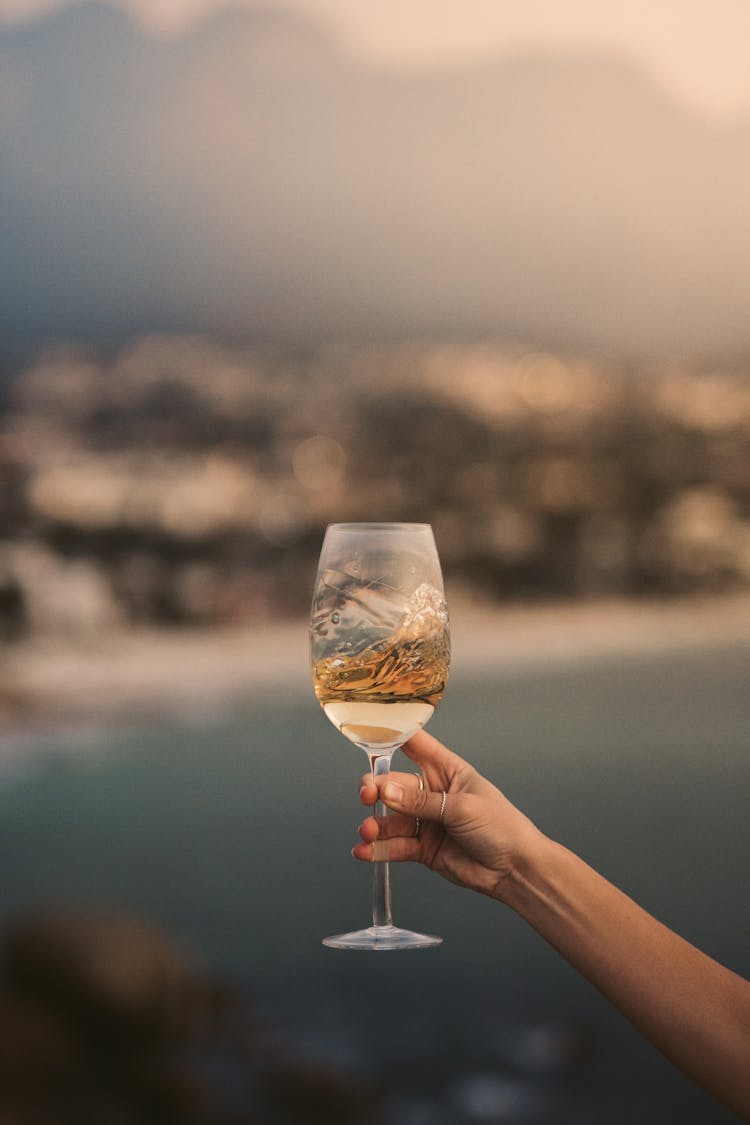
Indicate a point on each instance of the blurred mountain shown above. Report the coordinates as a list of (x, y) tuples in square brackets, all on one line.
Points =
[(251, 179)]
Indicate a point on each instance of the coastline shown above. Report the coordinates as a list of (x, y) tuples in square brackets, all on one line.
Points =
[(131, 676)]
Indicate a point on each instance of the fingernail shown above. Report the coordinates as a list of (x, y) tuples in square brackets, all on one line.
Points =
[(393, 792)]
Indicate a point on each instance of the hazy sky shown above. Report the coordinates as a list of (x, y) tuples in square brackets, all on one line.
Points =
[(697, 48)]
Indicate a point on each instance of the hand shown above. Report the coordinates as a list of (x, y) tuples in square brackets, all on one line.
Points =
[(482, 838)]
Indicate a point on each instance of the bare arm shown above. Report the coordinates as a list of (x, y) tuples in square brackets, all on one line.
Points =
[(691, 1008), (694, 1010)]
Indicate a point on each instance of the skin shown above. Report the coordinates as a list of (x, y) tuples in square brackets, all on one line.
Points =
[(692, 1009)]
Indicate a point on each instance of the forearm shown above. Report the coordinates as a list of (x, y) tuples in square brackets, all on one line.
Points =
[(694, 1010)]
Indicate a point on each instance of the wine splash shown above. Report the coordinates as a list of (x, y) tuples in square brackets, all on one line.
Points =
[(379, 696)]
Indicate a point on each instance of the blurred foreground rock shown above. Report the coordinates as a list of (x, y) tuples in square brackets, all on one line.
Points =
[(105, 1021)]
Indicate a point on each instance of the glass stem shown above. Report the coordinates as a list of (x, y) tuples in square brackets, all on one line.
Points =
[(381, 878)]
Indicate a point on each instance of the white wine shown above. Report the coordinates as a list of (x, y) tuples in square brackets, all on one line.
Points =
[(380, 696), (378, 727)]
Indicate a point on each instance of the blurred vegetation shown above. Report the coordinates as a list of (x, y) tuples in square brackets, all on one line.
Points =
[(183, 481)]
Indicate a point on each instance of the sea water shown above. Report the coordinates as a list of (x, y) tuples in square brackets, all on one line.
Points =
[(233, 831)]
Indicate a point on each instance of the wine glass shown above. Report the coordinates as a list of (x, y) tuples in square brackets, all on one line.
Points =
[(380, 649)]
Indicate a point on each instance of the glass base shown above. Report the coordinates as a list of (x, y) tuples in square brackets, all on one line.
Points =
[(382, 937)]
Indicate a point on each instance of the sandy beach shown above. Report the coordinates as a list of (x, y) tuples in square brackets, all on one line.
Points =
[(135, 675)]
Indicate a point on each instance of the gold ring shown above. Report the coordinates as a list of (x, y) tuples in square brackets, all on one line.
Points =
[(420, 779), (418, 826), (442, 808)]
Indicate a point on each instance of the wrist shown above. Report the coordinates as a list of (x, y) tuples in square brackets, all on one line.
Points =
[(528, 869)]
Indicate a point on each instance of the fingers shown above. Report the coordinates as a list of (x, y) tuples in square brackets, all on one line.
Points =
[(401, 850), (387, 827), (369, 791), (412, 802), (394, 837), (401, 792)]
